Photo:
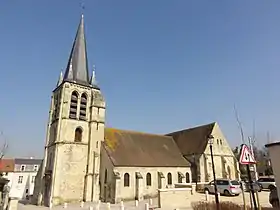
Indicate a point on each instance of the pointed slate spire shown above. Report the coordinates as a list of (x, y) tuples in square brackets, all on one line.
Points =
[(60, 79), (77, 67)]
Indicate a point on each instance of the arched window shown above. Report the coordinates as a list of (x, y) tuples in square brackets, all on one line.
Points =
[(73, 105), (169, 179), (126, 180), (221, 141), (180, 178), (78, 134), (149, 179), (83, 107), (187, 177), (218, 141)]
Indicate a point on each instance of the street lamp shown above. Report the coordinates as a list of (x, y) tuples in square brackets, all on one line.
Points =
[(211, 141)]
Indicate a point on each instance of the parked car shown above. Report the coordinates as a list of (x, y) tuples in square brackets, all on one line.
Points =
[(224, 186), (246, 186), (266, 183), (273, 198)]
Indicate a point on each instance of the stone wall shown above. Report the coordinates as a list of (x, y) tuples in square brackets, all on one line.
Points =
[(129, 192), (274, 153), (107, 178), (174, 198), (224, 159)]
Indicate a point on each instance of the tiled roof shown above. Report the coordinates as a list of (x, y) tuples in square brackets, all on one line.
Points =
[(7, 165), (26, 161), (135, 149), (193, 140)]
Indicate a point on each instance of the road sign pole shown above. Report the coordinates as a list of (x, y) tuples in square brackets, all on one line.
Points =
[(251, 187)]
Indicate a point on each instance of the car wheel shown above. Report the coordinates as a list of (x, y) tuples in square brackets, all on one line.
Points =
[(226, 192), (271, 187)]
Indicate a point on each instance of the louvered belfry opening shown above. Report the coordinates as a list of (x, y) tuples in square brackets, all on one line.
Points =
[(83, 107), (73, 105)]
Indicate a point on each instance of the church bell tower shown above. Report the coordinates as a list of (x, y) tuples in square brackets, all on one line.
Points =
[(75, 130)]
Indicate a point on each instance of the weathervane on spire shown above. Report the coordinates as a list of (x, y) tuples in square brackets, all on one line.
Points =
[(82, 7)]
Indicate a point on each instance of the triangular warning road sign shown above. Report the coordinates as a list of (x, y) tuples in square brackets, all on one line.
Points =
[(246, 156)]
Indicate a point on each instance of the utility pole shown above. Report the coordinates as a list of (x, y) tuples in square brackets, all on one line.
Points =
[(251, 145)]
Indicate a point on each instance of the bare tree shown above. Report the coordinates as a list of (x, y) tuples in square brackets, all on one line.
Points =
[(4, 147), (239, 124)]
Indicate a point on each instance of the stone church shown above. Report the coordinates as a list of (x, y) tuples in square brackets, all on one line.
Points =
[(83, 160)]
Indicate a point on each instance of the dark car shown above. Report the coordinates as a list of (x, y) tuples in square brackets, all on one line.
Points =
[(246, 186), (273, 198)]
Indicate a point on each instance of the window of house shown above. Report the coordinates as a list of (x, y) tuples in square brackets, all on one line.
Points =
[(26, 191), (83, 107), (33, 179), (126, 180), (218, 141), (149, 179), (73, 105), (169, 179), (78, 134), (22, 168), (187, 177), (36, 168), (97, 145), (221, 141), (20, 178)]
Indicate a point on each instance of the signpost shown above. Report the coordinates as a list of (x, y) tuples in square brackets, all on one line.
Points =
[(246, 158)]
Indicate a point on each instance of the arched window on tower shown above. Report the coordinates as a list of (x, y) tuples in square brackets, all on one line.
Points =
[(78, 134), (83, 107), (105, 176), (73, 105)]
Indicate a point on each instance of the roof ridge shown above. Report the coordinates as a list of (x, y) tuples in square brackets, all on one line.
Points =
[(191, 128), (138, 132)]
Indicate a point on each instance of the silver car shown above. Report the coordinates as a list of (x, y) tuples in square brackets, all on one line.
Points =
[(267, 183), (224, 186)]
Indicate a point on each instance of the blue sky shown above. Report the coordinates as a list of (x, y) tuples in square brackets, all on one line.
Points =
[(162, 65)]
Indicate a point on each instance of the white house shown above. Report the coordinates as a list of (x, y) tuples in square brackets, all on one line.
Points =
[(22, 177)]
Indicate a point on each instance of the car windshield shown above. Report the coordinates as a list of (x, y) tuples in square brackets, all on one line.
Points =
[(234, 182)]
